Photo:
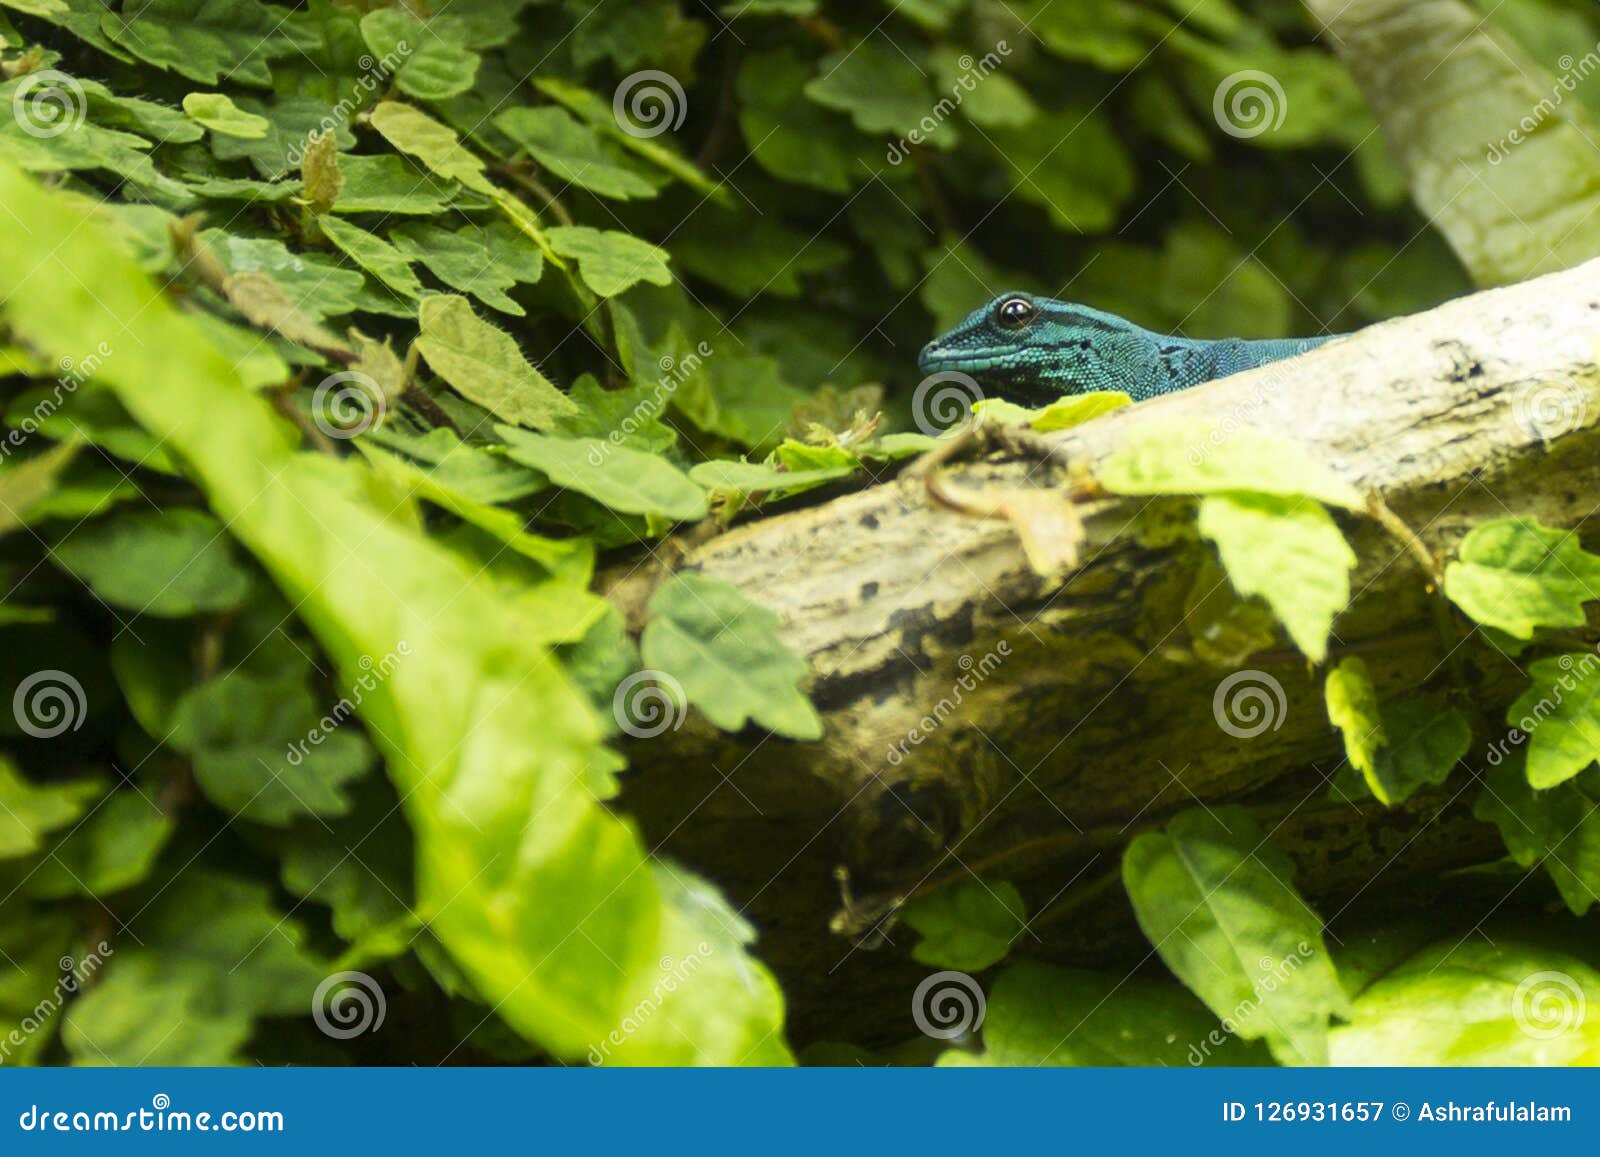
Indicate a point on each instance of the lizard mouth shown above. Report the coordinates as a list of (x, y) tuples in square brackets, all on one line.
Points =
[(932, 360)]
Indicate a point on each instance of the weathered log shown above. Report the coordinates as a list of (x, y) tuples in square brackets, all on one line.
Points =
[(1079, 711)]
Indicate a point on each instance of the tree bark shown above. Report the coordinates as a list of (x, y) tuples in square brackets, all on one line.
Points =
[(1057, 717)]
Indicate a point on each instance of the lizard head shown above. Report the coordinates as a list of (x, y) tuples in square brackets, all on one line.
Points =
[(1033, 350)]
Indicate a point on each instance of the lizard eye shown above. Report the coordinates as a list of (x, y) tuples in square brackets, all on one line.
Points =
[(1015, 313)]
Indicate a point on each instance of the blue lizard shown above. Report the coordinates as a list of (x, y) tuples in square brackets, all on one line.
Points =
[(1033, 350)]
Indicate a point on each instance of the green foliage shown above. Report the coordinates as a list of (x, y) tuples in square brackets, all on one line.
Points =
[(969, 926), (1516, 576), (347, 342), (1213, 895)]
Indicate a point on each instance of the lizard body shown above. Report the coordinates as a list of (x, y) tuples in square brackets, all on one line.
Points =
[(1033, 350)]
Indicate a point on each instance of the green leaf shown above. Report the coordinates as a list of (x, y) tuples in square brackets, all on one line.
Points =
[(484, 262), (881, 89), (484, 364), (576, 153), (1037, 1014), (215, 111), (968, 926), (203, 39), (610, 261), (316, 285), (1465, 1001), (513, 852), (260, 748), (168, 563), (418, 135), (791, 137), (1560, 715), (433, 66), (1213, 896), (1291, 553), (726, 654), (624, 479), (1173, 458), (1070, 162), (204, 958), (29, 813), (373, 254), (757, 477), (1558, 828), (1397, 748), (113, 848), (390, 185), (1516, 575), (1109, 34)]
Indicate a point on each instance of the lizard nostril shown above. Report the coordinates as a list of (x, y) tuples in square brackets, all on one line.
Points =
[(930, 349)]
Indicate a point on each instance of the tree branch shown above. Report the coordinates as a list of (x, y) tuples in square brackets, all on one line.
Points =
[(978, 713)]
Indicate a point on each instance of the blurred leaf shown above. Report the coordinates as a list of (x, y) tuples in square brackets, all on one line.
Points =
[(1468, 1002), (1037, 1014), (1515, 574), (1557, 829), (168, 563), (1495, 158), (726, 653), (1213, 896), (968, 926), (1560, 714)]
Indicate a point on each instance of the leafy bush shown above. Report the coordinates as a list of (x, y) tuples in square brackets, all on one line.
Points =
[(340, 340)]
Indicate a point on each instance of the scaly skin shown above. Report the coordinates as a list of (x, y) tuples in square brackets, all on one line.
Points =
[(1033, 350)]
